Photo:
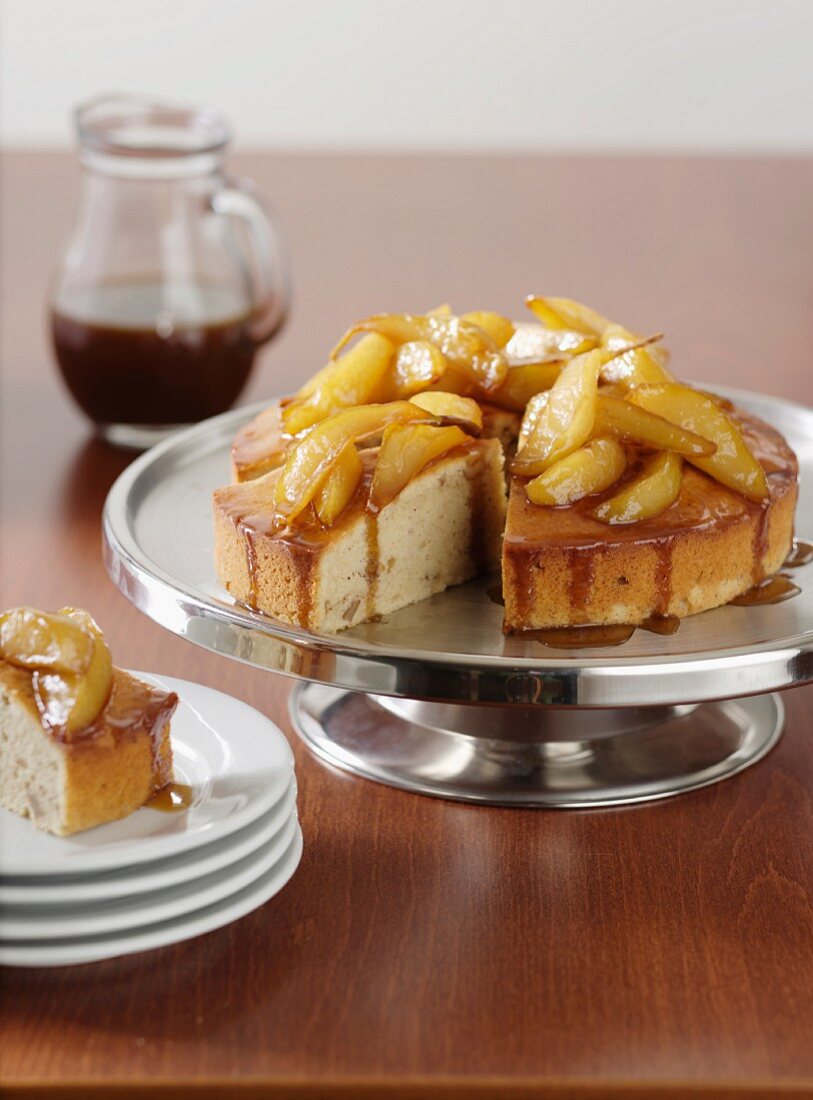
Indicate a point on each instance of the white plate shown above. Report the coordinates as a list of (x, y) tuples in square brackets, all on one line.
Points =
[(130, 881), (30, 922), (69, 952), (235, 759)]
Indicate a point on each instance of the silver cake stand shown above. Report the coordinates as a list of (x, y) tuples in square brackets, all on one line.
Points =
[(436, 699)]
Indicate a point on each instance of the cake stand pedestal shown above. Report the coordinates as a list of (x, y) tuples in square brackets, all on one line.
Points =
[(435, 699), (514, 756)]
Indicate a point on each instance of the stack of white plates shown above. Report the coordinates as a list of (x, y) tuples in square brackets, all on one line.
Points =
[(157, 878)]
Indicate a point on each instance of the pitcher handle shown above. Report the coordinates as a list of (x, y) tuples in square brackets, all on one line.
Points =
[(268, 266)]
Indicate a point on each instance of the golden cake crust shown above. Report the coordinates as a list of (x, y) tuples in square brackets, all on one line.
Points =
[(562, 567)]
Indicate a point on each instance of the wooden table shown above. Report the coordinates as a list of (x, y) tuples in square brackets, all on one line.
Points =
[(426, 948)]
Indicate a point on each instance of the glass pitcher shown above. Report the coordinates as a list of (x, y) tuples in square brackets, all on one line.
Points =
[(174, 277)]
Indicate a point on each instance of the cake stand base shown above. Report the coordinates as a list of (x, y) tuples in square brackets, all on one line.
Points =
[(517, 756)]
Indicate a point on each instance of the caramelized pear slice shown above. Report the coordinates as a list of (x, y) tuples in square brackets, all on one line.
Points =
[(405, 450), (71, 701), (464, 345), (316, 453), (37, 639), (721, 402), (568, 315), (418, 364), (499, 328), (565, 421), (591, 469), (453, 408), (313, 383), (355, 378), (650, 493), (535, 344), (338, 486), (524, 382), (533, 412), (623, 420), (635, 367), (554, 418), (454, 382), (732, 464)]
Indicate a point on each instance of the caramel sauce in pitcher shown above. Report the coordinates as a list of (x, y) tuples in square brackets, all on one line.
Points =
[(143, 352)]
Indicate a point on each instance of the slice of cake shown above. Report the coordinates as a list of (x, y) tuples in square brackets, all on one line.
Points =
[(443, 528), (81, 742)]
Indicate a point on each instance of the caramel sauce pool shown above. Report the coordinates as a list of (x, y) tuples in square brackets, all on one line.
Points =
[(780, 587), (772, 590), (801, 553), (581, 637), (172, 799), (494, 592)]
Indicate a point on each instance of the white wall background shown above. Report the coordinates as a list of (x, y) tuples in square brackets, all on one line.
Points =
[(732, 75)]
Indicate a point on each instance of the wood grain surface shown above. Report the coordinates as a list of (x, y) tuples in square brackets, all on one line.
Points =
[(426, 948)]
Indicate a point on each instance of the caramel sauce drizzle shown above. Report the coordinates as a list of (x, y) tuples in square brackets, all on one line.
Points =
[(141, 705), (663, 578), (373, 562), (760, 543), (251, 564), (525, 595), (304, 593), (133, 706), (581, 574)]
